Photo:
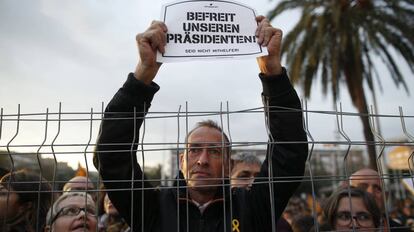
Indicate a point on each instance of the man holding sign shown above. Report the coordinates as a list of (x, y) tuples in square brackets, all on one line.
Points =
[(202, 199)]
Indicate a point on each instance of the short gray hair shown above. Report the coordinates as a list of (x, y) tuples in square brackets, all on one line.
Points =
[(214, 125), (245, 158), (55, 207)]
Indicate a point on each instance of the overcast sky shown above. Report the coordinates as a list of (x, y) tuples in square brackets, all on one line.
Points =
[(79, 52)]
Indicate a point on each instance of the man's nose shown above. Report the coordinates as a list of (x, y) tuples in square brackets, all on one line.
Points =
[(354, 223), (370, 189), (203, 159), (81, 214), (250, 182)]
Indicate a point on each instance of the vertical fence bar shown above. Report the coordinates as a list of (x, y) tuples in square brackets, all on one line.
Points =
[(40, 167), (54, 156), (178, 168), (340, 125), (306, 128), (229, 161), (376, 133), (143, 164)]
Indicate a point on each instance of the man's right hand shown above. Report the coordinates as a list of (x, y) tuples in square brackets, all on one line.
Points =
[(149, 42)]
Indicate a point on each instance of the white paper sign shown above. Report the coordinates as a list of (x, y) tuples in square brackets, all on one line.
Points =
[(209, 29)]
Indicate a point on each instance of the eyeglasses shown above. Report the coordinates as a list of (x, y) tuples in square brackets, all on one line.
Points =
[(363, 219), (73, 211)]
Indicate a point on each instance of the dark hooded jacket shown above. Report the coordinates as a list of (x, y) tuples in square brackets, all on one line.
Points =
[(146, 208)]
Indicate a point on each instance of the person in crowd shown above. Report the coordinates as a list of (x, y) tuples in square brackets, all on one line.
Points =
[(200, 200), (407, 213), (80, 183), (244, 168), (111, 221), (351, 208), (25, 198), (369, 180), (72, 211), (296, 206)]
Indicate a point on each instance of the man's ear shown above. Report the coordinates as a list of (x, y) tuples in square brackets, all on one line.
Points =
[(227, 169), (181, 160), (232, 163)]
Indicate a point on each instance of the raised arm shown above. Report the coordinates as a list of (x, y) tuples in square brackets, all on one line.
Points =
[(287, 149), (115, 155)]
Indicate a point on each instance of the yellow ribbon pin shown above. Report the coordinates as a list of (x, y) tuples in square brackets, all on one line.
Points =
[(236, 225)]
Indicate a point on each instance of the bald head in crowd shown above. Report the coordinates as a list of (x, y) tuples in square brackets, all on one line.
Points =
[(369, 180), (79, 183)]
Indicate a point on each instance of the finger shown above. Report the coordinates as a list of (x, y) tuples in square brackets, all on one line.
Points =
[(162, 41), (268, 33), (141, 40), (163, 36), (260, 33), (161, 30), (275, 42), (258, 20), (263, 27), (159, 26), (156, 41), (155, 38)]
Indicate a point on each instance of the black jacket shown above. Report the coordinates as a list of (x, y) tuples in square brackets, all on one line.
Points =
[(169, 209)]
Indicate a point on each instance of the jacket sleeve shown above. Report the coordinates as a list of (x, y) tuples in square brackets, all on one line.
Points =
[(115, 155), (287, 149)]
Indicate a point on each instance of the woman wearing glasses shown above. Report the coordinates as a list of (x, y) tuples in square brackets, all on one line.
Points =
[(73, 211), (352, 209), (25, 198)]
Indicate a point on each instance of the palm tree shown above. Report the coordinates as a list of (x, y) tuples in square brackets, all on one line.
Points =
[(336, 40)]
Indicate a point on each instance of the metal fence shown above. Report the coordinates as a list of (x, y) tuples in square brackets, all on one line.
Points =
[(54, 143)]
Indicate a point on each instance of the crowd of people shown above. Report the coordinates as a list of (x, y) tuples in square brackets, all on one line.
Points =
[(28, 203), (213, 191)]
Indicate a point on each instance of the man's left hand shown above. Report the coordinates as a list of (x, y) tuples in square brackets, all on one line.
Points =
[(270, 37)]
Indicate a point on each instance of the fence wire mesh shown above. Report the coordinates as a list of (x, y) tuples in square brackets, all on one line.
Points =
[(58, 145)]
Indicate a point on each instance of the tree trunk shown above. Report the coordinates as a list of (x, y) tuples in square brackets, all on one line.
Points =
[(369, 137), (357, 93)]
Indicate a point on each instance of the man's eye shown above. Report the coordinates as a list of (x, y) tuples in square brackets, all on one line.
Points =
[(363, 186), (214, 151), (243, 176), (363, 217), (377, 188), (70, 211), (91, 211), (194, 150), (344, 216)]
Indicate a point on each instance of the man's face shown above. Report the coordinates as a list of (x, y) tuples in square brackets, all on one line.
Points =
[(243, 174), (370, 182), (202, 162)]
